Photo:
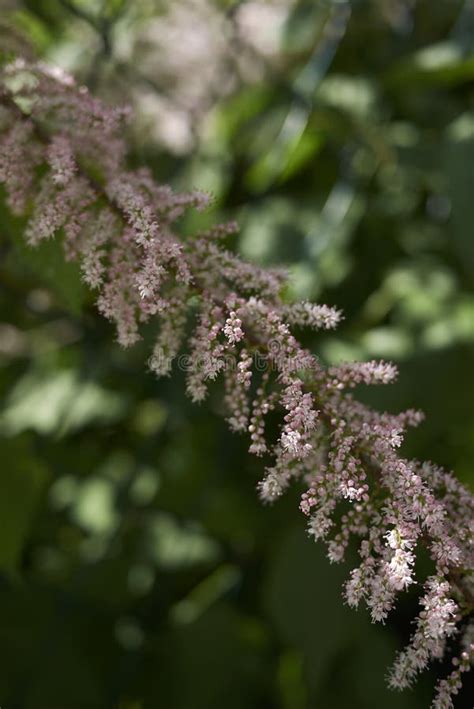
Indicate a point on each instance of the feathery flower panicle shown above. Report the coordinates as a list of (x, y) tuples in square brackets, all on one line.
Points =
[(119, 225)]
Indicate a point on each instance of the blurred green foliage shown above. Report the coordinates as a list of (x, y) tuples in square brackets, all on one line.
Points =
[(138, 568)]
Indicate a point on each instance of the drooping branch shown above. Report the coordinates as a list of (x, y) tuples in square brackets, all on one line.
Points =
[(63, 164)]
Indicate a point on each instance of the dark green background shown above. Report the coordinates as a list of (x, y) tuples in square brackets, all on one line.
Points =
[(138, 568)]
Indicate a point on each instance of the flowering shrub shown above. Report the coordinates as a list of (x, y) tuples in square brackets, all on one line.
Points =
[(63, 165)]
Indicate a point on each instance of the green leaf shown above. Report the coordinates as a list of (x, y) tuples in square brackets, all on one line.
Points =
[(58, 402), (22, 482), (438, 64), (459, 161)]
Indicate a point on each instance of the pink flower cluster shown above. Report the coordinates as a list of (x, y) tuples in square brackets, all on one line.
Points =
[(62, 162)]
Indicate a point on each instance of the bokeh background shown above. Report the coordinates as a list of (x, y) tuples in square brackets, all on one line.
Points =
[(138, 568)]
